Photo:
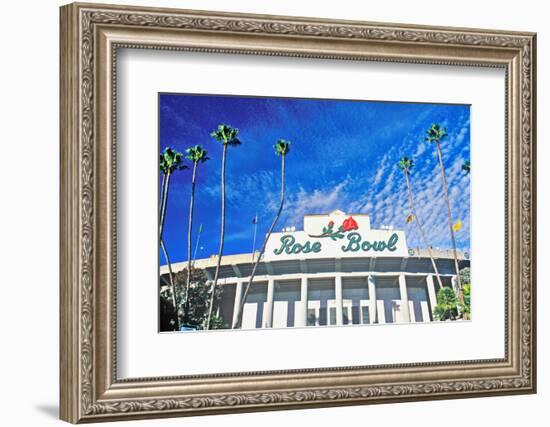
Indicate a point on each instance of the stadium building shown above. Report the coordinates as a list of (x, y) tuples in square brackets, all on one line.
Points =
[(336, 271)]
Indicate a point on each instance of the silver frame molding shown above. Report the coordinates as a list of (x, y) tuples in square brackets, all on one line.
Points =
[(90, 37)]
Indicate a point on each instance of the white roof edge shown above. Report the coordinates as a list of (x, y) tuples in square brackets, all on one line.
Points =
[(338, 210), (247, 258)]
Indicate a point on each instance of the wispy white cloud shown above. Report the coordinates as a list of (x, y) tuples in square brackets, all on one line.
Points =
[(429, 196), (243, 189), (420, 149), (321, 200), (385, 195)]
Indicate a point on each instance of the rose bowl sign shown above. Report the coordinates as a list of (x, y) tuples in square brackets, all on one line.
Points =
[(336, 235)]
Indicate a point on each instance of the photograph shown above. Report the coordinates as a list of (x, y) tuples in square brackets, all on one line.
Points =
[(299, 212)]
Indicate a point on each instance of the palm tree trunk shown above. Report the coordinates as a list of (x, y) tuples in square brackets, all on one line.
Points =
[(222, 236), (162, 217), (172, 285), (422, 235), (450, 220), (237, 322), (189, 232), (161, 202)]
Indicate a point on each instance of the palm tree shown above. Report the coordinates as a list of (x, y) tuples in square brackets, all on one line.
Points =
[(282, 148), (436, 134), (197, 155), (227, 136), (162, 207), (170, 160), (406, 164)]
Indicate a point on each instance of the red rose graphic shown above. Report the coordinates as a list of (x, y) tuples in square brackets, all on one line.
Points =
[(330, 224), (350, 224)]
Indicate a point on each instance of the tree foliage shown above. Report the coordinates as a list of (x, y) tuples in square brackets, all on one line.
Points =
[(282, 147), (465, 275), (467, 289), (226, 134), (171, 160), (199, 294), (196, 154), (405, 164), (436, 133), (447, 304), (167, 312)]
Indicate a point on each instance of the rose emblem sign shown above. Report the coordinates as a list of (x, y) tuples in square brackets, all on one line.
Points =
[(336, 235)]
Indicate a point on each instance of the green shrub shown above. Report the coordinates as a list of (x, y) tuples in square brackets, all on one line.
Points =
[(199, 294), (447, 305)]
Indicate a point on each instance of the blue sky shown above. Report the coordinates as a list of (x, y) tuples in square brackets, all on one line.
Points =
[(343, 156)]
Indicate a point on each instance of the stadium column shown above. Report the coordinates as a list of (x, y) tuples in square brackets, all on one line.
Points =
[(301, 319), (338, 294), (268, 323), (372, 298), (238, 296), (405, 315), (431, 292)]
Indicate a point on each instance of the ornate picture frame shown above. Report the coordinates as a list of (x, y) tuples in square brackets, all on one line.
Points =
[(91, 34)]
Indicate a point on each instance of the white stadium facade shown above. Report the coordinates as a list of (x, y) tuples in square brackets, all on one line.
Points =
[(336, 271)]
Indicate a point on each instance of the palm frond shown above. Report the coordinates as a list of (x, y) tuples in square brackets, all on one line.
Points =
[(435, 133), (197, 154), (282, 147), (171, 160), (405, 164), (226, 134)]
